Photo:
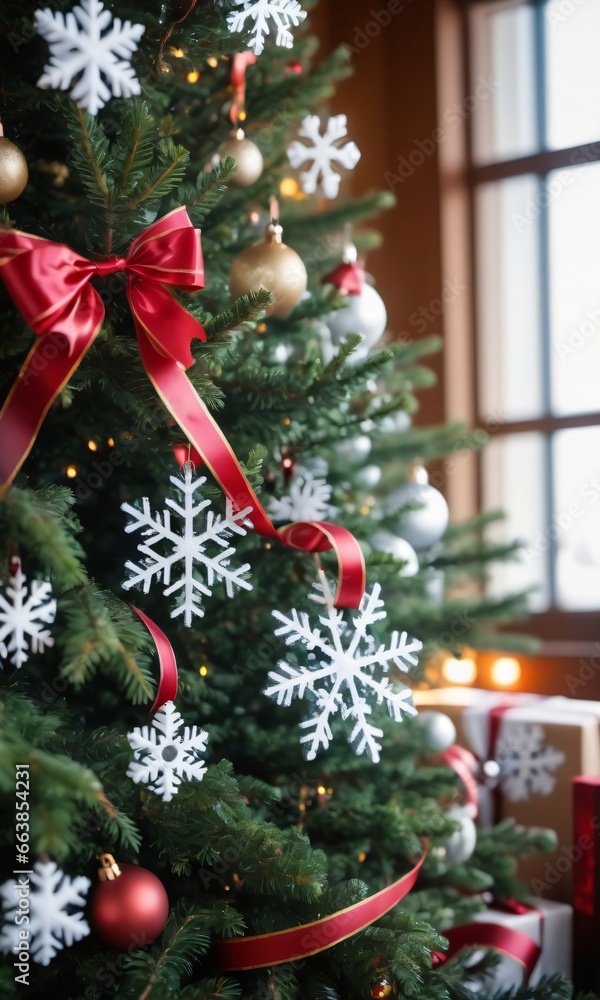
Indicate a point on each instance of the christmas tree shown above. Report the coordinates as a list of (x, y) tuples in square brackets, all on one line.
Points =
[(230, 489)]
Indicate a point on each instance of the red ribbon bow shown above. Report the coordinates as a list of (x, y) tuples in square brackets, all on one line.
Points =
[(50, 284)]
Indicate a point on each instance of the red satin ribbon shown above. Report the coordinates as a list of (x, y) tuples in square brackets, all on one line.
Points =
[(349, 278), (296, 943), (463, 763), (50, 284), (167, 682), (239, 64), (513, 943)]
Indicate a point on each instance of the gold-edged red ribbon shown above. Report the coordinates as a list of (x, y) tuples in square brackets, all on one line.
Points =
[(506, 940), (296, 943), (464, 764), (50, 284), (168, 679)]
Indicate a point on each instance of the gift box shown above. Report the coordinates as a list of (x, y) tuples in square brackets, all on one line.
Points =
[(586, 880), (540, 745), (550, 925)]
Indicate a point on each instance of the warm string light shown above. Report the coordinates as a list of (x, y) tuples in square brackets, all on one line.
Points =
[(463, 671), (92, 445), (289, 187), (506, 671), (110, 442), (193, 76), (203, 671), (71, 471)]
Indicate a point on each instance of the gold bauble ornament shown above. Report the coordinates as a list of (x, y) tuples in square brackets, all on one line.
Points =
[(272, 265), (246, 154), (13, 171)]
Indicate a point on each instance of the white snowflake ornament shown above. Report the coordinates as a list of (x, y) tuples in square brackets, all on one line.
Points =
[(162, 757), (324, 150), (56, 903), (307, 499), (22, 617), (165, 547), (89, 55), (284, 14), (347, 672), (526, 764)]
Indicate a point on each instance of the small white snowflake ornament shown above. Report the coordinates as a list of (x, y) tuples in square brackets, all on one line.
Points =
[(324, 150), (165, 548), (89, 55), (346, 673), (23, 615), (282, 14), (307, 499), (56, 903), (162, 757), (527, 764)]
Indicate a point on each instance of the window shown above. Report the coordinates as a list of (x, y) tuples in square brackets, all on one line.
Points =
[(535, 182)]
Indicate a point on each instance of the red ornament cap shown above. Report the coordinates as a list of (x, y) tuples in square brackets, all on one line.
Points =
[(348, 277)]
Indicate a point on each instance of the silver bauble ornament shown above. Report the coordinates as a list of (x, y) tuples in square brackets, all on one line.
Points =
[(354, 449), (459, 846), (399, 548), (439, 730), (396, 422), (369, 476), (247, 156), (364, 313), (425, 526), (272, 265), (435, 586)]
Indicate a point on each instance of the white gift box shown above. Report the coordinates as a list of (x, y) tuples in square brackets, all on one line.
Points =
[(550, 924)]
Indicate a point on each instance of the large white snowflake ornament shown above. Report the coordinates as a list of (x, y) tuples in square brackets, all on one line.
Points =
[(165, 547), (55, 904), (22, 617), (162, 757), (283, 13), (307, 499), (324, 150), (347, 672), (88, 55), (526, 764)]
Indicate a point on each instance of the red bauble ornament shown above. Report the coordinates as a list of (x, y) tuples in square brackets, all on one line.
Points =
[(129, 907), (295, 66)]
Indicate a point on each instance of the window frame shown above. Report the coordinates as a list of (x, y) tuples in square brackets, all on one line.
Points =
[(553, 623)]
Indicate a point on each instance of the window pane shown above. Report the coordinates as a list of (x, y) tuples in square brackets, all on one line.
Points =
[(513, 481), (576, 519), (510, 359), (574, 219), (502, 41), (573, 72)]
